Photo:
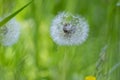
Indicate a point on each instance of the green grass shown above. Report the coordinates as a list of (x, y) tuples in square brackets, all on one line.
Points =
[(36, 57)]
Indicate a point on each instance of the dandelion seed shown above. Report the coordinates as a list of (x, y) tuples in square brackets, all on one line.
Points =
[(90, 78), (9, 33), (67, 29)]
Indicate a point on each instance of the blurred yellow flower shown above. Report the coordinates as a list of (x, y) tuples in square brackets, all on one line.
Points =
[(90, 78)]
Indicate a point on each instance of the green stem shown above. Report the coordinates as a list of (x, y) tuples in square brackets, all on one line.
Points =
[(68, 54), (64, 67)]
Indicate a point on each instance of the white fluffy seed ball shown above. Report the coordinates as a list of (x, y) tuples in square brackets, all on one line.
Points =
[(9, 33), (67, 29)]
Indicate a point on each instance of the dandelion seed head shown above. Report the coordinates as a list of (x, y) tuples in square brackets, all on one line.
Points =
[(67, 29), (9, 33), (118, 4)]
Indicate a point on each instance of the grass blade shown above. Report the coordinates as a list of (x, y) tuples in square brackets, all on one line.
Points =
[(14, 14)]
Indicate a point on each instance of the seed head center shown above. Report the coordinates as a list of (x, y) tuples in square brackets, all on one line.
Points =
[(68, 29)]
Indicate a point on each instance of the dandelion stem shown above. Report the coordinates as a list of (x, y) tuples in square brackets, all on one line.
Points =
[(64, 67)]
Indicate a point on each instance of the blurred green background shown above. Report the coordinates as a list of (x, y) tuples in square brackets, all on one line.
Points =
[(36, 57)]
